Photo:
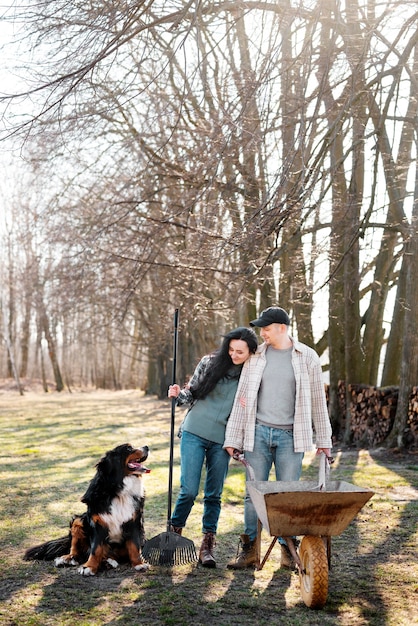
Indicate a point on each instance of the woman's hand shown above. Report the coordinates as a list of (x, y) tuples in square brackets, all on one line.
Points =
[(173, 391)]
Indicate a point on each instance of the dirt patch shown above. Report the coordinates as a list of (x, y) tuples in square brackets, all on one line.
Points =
[(403, 494)]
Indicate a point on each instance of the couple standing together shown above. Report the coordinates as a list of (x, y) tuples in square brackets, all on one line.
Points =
[(264, 400)]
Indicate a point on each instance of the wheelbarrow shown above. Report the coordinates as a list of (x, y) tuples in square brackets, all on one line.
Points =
[(312, 510)]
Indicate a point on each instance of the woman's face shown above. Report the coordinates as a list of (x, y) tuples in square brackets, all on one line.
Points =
[(238, 351)]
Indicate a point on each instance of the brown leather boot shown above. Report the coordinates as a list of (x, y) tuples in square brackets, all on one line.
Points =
[(246, 556), (206, 557), (176, 529)]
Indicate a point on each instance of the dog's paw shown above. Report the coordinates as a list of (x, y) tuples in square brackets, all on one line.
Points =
[(112, 563), (142, 567), (65, 561), (86, 571)]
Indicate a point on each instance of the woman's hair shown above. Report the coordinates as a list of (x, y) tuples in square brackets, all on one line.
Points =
[(220, 362)]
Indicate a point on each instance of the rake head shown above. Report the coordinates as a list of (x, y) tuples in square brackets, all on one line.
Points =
[(169, 549)]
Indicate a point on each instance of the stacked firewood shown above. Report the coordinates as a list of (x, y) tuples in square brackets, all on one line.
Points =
[(372, 413), (412, 423)]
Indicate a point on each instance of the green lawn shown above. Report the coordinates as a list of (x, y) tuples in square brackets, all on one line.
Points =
[(50, 445)]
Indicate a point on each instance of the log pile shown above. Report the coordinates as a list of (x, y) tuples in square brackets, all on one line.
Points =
[(341, 397), (372, 413), (412, 423), (341, 400)]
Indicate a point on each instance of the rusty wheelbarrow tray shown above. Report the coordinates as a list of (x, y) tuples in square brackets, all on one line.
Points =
[(316, 511)]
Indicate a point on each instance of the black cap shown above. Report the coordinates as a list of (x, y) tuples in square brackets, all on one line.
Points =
[(272, 315)]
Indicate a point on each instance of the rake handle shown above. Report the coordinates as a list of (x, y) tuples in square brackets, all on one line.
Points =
[(172, 421)]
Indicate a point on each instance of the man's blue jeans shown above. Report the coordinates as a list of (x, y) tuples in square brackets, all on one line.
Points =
[(271, 446), (193, 452)]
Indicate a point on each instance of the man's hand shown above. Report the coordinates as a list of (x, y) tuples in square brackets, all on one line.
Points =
[(232, 452), (327, 452)]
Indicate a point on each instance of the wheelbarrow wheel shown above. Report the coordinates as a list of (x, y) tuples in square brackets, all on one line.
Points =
[(314, 573)]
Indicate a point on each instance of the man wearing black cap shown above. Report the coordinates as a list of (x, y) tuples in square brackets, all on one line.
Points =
[(279, 403)]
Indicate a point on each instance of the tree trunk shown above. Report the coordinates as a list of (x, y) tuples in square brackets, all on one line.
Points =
[(393, 355), (373, 336), (409, 359), (10, 352), (52, 352)]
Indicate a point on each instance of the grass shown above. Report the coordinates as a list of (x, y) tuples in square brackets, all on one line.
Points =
[(50, 444)]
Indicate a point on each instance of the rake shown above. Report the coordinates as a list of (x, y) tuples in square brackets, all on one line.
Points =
[(170, 548)]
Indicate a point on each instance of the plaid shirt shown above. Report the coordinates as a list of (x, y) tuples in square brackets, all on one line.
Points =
[(311, 412), (185, 396)]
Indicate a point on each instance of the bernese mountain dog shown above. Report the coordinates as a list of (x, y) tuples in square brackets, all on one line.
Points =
[(111, 531)]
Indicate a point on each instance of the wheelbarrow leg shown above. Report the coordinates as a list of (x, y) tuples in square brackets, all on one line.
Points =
[(327, 541), (259, 565), (258, 545)]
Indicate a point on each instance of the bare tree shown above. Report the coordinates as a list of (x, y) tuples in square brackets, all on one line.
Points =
[(217, 158)]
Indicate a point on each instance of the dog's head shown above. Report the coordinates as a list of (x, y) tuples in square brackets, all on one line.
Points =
[(124, 459), (113, 468), (135, 459), (115, 465)]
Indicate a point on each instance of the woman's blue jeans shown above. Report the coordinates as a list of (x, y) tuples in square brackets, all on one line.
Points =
[(271, 446), (193, 452)]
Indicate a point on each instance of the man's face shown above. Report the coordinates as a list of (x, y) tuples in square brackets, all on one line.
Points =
[(270, 333)]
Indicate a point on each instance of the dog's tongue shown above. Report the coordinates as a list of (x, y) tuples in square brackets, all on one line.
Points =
[(138, 467)]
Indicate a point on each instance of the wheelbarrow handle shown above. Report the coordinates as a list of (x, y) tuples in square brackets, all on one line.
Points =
[(325, 462), (324, 466), (239, 456)]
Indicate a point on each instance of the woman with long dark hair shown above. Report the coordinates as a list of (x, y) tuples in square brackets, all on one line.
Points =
[(210, 394)]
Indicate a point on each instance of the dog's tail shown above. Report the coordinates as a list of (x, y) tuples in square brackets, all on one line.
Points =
[(49, 550)]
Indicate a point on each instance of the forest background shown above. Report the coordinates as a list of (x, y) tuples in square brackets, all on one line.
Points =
[(218, 158)]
